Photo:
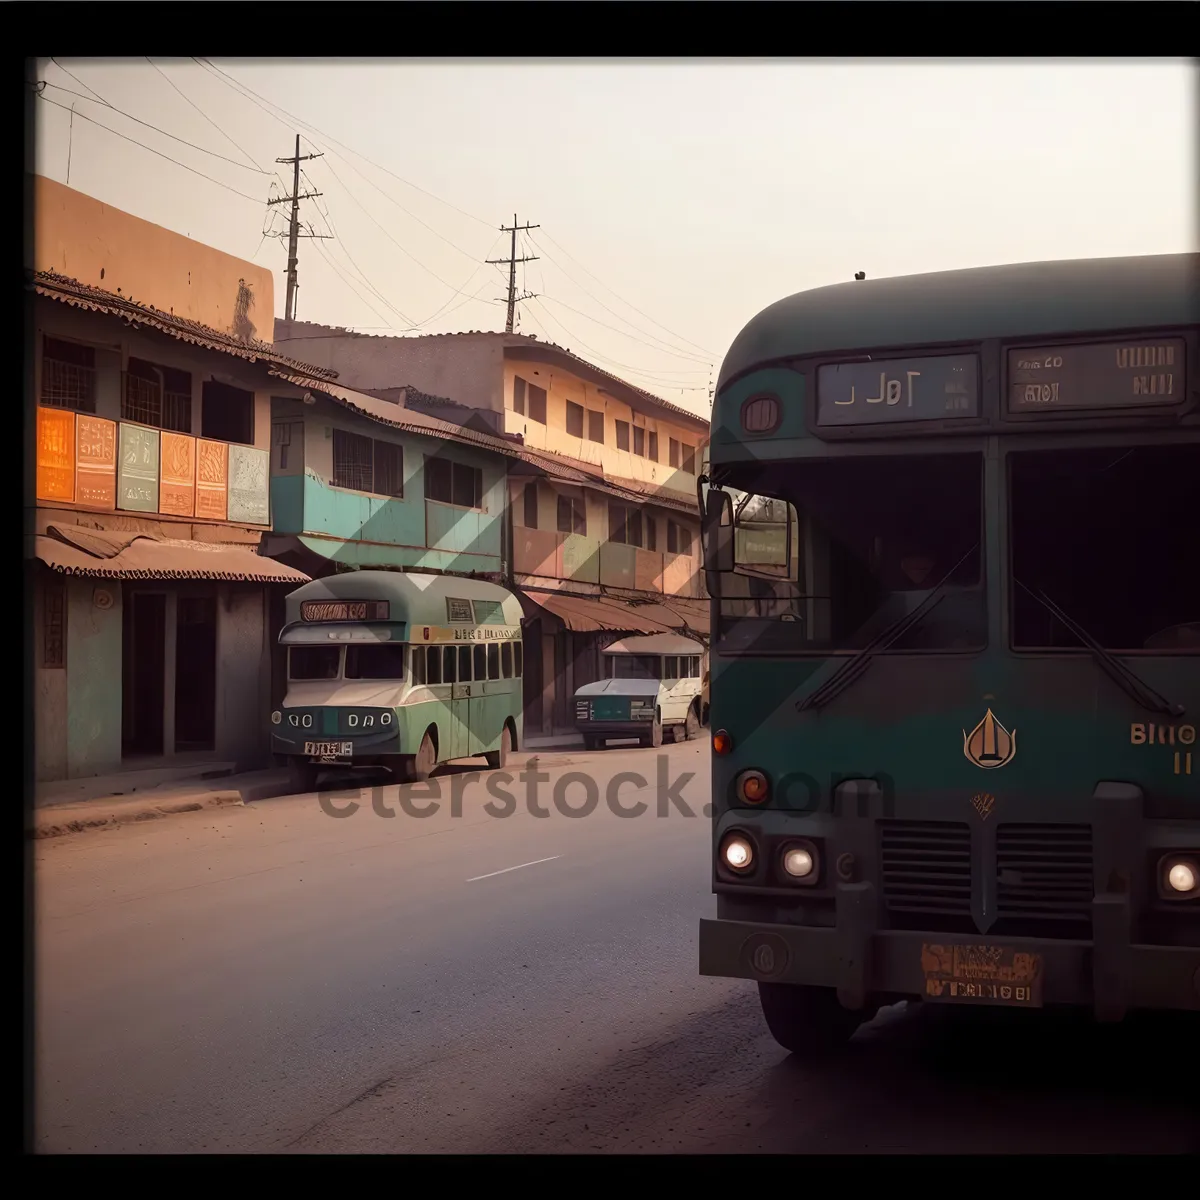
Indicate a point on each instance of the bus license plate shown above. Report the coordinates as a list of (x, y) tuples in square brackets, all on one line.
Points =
[(982, 975), (328, 750)]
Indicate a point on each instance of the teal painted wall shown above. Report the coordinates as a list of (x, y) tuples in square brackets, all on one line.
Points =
[(93, 679), (287, 503)]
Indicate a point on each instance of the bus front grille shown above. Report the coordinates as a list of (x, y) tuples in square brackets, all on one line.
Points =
[(926, 869), (1044, 879)]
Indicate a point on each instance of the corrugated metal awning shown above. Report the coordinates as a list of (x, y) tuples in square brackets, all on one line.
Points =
[(119, 554), (588, 614)]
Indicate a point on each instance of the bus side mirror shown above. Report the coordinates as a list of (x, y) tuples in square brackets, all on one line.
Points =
[(718, 532)]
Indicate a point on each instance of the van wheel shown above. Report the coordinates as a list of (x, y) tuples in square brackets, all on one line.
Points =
[(655, 737), (497, 760), (590, 741), (302, 776), (691, 727), (808, 1021), (416, 768)]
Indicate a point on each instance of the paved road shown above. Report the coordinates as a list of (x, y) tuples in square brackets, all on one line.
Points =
[(272, 978)]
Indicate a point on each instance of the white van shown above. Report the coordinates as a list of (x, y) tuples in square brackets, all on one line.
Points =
[(650, 684)]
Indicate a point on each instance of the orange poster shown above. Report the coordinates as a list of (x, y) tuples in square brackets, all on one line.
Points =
[(212, 479), (55, 454), (177, 475), (95, 462)]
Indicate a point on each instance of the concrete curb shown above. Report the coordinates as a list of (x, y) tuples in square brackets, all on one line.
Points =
[(89, 816)]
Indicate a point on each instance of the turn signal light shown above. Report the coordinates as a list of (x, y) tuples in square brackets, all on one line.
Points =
[(722, 742), (752, 787)]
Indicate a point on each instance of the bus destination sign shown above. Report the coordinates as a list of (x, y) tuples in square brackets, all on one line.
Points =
[(898, 390), (344, 610), (1149, 371)]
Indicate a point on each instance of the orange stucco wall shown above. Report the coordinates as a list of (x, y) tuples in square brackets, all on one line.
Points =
[(78, 236)]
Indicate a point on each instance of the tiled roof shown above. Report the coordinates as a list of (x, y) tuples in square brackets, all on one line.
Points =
[(84, 295)]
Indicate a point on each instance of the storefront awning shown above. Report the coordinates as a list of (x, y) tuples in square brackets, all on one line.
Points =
[(588, 614), (121, 554)]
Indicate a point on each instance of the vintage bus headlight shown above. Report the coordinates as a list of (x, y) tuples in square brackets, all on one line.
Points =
[(385, 718), (800, 862), (276, 717), (752, 787), (737, 853), (1179, 876)]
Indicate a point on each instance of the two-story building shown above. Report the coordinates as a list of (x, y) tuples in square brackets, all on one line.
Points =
[(603, 512), (148, 401)]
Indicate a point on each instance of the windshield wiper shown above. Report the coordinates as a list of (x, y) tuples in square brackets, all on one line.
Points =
[(854, 667), (1132, 684)]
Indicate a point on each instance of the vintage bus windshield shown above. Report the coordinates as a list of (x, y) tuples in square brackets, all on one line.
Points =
[(313, 662), (375, 660), (871, 536), (634, 666)]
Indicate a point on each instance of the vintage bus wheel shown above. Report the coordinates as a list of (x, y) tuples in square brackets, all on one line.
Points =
[(498, 759), (808, 1021), (302, 776), (691, 727), (416, 768)]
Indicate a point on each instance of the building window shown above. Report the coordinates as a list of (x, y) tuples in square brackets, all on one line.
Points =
[(639, 441), (362, 464), (227, 413), (158, 396), (519, 395), (651, 532), (572, 515), (595, 426), (672, 453), (622, 435), (574, 419), (537, 404), (68, 375), (653, 454), (453, 483), (531, 506), (679, 539), (624, 525), (687, 459), (54, 624)]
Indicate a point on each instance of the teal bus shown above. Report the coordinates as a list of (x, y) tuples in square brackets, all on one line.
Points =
[(398, 670), (956, 659)]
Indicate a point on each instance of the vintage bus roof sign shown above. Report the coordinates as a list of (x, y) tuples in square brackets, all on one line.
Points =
[(344, 610), (1096, 375), (898, 390)]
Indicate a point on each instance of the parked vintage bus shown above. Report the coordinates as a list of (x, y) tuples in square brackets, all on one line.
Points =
[(398, 670), (650, 690), (956, 667)]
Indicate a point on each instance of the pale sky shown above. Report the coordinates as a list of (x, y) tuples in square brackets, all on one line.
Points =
[(675, 200)]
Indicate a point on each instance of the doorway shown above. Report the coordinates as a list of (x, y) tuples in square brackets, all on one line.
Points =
[(143, 670), (195, 673)]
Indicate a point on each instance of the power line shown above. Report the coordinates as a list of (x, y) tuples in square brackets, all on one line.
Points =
[(261, 100), (77, 79), (637, 310), (203, 113), (350, 285), (126, 137), (173, 137)]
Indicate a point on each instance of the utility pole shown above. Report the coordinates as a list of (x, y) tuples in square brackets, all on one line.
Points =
[(294, 224), (512, 261)]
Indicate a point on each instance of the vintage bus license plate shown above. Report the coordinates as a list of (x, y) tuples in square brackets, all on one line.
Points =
[(982, 975), (328, 750)]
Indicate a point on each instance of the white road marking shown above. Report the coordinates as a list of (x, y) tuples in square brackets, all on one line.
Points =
[(516, 868)]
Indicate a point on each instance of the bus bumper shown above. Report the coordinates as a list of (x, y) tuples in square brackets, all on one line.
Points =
[(1107, 975)]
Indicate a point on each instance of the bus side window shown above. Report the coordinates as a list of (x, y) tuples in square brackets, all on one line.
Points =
[(480, 663), (433, 665), (464, 664), (447, 664), (493, 660), (517, 656), (418, 664), (506, 657)]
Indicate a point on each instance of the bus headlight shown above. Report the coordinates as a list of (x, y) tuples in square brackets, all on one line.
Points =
[(800, 862), (752, 787), (276, 717), (1179, 876), (737, 853)]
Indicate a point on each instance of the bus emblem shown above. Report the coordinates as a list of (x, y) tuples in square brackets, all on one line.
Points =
[(989, 744)]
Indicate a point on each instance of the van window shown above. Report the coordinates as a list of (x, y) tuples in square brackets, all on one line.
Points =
[(634, 666), (672, 667)]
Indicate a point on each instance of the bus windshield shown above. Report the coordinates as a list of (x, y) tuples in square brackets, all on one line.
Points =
[(375, 660), (313, 662), (870, 538), (634, 666)]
